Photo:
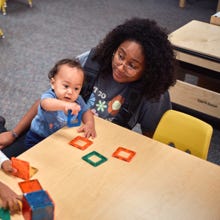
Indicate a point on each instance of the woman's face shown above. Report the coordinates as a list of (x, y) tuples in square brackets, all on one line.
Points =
[(128, 62)]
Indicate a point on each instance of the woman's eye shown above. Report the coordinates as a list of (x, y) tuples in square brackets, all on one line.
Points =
[(132, 66), (120, 56)]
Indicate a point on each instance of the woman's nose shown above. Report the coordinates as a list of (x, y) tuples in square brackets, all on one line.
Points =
[(121, 66)]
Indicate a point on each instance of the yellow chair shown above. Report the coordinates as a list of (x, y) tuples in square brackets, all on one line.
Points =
[(1, 33), (30, 3), (182, 3), (3, 5), (184, 132)]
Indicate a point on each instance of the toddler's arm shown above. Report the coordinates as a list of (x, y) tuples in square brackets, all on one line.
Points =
[(51, 104)]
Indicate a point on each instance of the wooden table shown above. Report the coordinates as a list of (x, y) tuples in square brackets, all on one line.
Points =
[(198, 43), (160, 182), (182, 4)]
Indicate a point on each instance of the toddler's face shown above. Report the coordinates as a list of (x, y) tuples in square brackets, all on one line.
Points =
[(67, 83)]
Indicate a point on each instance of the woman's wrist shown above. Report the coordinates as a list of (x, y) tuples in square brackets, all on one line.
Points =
[(14, 134)]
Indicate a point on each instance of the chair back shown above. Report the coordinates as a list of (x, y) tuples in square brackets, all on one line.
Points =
[(184, 132)]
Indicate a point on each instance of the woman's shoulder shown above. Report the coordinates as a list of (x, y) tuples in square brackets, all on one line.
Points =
[(83, 57), (162, 103), (164, 97)]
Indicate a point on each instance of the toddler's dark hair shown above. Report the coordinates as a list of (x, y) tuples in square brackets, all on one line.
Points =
[(70, 62)]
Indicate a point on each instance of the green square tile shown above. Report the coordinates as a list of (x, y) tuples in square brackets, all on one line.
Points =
[(4, 214), (95, 154)]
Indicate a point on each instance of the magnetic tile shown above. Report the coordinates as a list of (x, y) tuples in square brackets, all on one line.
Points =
[(22, 167), (30, 186), (81, 142), (24, 170), (38, 205), (4, 214), (72, 120), (124, 154), (94, 158)]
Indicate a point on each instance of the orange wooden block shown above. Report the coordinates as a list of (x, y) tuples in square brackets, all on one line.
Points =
[(124, 154), (80, 142), (30, 186)]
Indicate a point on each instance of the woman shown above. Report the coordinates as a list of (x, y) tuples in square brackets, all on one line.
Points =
[(128, 75)]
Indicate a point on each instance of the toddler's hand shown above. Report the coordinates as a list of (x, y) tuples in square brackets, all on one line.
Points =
[(88, 129), (74, 107)]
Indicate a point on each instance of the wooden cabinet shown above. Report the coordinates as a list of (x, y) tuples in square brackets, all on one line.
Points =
[(197, 48)]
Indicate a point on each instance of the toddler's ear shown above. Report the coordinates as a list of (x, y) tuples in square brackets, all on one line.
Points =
[(52, 80)]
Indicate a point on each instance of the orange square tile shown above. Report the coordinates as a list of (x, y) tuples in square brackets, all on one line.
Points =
[(124, 154), (80, 142), (30, 186)]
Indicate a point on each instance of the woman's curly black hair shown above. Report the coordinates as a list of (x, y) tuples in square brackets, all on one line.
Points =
[(159, 74)]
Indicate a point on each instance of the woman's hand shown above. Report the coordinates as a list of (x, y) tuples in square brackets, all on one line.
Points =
[(10, 200), (7, 167)]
